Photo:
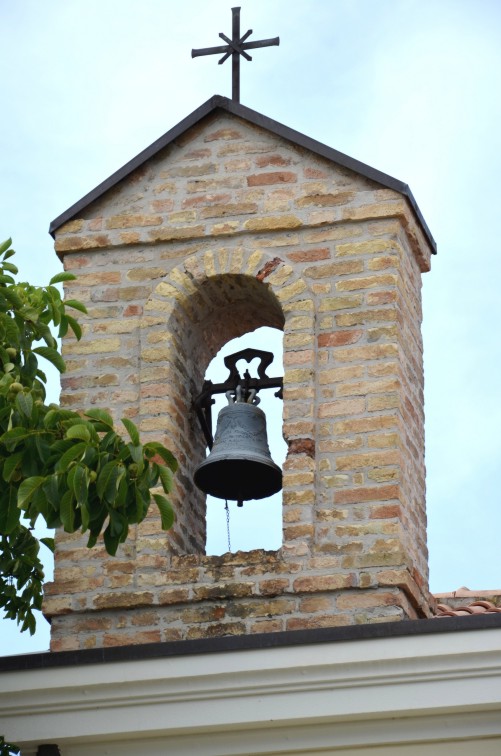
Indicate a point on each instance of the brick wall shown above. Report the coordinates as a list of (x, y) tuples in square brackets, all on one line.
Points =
[(228, 229)]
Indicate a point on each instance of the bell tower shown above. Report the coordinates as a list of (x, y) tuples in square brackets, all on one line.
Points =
[(229, 222)]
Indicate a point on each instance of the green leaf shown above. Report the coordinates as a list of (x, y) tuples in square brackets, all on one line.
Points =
[(136, 452), (9, 511), (49, 542), (53, 356), (132, 431), (85, 515), (62, 277), (30, 367), (106, 484), (10, 267), (51, 488), (75, 451), (101, 416), (76, 305), (67, 512), (30, 313), (13, 297), (167, 515), (153, 447), (78, 431), (7, 279), (111, 542), (12, 437), (4, 246), (74, 325), (54, 295), (80, 484), (166, 478), (56, 415), (41, 375), (27, 489), (119, 526), (10, 464), (24, 403), (63, 327)]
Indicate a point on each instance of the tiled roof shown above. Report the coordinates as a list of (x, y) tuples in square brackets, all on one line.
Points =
[(463, 602)]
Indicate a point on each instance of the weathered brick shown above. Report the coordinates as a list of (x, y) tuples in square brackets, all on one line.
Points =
[(366, 599), (130, 221), (368, 459), (276, 159), (273, 586), (223, 134), (220, 211), (339, 338), (145, 636), (365, 316), (357, 495), (274, 177), (342, 407), (326, 200), (364, 388), (367, 352), (370, 247), (272, 223), (318, 583), (309, 255), (340, 303), (145, 274), (312, 622), (369, 282)]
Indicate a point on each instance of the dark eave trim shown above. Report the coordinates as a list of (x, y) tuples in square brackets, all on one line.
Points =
[(47, 660), (252, 116)]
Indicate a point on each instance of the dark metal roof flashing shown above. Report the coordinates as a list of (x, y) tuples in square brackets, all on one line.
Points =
[(288, 639), (223, 103)]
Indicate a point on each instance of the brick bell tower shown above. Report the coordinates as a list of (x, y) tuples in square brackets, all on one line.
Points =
[(228, 222)]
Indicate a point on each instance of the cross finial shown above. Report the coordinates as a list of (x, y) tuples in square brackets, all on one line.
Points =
[(236, 47)]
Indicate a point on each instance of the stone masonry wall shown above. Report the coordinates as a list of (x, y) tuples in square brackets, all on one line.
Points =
[(231, 228)]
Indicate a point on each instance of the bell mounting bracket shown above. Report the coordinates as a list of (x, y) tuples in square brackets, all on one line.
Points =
[(204, 400)]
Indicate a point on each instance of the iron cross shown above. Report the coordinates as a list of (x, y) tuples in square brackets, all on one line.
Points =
[(236, 47)]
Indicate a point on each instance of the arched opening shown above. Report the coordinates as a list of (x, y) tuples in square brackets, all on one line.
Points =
[(188, 322), (258, 524)]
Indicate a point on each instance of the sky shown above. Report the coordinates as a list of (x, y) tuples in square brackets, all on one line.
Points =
[(410, 87)]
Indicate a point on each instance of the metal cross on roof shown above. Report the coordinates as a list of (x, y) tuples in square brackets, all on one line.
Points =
[(236, 47)]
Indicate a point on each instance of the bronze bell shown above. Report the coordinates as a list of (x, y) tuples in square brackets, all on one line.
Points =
[(239, 466)]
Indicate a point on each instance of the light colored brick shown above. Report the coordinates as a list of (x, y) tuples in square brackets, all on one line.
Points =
[(341, 303), (272, 223), (368, 459), (342, 407)]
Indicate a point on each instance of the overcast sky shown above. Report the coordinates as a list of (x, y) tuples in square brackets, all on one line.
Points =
[(411, 87)]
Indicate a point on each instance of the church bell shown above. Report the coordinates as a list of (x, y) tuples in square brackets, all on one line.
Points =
[(239, 466)]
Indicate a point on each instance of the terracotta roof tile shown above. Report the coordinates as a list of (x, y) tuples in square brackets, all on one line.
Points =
[(478, 607), (464, 601)]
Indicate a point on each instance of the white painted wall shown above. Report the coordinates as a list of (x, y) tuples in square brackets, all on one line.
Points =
[(413, 695)]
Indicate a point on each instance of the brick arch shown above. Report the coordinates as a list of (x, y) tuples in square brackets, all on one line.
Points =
[(198, 307)]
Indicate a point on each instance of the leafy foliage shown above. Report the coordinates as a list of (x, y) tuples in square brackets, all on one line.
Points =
[(73, 470)]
